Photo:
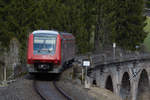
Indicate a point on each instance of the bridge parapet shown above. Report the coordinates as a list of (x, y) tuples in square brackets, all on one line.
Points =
[(104, 59), (101, 60)]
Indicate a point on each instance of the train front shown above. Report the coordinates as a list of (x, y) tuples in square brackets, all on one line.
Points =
[(44, 52)]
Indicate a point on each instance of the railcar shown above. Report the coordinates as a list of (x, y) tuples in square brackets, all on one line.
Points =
[(49, 51)]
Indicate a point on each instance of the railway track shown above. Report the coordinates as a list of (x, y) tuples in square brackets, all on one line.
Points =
[(48, 90)]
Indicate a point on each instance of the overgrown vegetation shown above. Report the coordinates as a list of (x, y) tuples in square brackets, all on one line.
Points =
[(100, 21)]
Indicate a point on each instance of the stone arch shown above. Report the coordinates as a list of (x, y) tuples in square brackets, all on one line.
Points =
[(125, 89), (94, 82), (109, 84), (143, 86)]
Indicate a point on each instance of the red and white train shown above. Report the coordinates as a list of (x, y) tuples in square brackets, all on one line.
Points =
[(49, 51)]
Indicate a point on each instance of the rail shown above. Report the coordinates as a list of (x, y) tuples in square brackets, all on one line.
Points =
[(48, 90), (62, 92)]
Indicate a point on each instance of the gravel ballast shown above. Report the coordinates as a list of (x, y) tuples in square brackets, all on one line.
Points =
[(22, 89), (78, 92)]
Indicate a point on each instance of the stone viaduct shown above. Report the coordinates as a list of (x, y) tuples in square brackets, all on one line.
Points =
[(126, 76)]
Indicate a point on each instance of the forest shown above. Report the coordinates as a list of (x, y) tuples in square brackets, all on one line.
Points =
[(94, 23)]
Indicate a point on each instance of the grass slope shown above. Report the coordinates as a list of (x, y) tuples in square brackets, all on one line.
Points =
[(147, 39)]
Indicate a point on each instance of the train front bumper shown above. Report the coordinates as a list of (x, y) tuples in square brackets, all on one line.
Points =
[(32, 70)]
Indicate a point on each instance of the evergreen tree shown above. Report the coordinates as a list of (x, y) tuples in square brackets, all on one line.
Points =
[(76, 17), (128, 24), (121, 22), (105, 13), (17, 21), (4, 34)]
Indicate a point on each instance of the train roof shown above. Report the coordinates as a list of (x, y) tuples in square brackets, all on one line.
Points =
[(51, 32), (45, 31)]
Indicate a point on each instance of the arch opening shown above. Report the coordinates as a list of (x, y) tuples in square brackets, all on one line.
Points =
[(109, 84), (94, 82), (125, 89), (143, 86)]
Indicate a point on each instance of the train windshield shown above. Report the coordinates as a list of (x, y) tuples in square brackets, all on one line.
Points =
[(44, 44)]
